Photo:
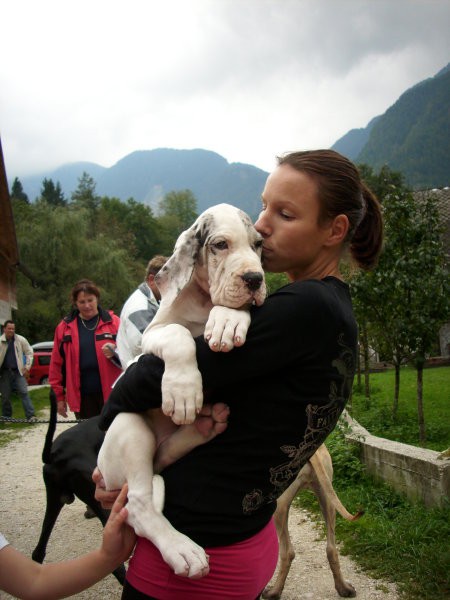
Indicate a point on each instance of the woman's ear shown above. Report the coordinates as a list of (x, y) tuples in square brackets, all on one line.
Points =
[(338, 230)]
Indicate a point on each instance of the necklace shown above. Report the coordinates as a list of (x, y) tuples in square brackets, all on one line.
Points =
[(90, 328)]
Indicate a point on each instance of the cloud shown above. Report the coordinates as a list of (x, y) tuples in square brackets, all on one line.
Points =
[(246, 78)]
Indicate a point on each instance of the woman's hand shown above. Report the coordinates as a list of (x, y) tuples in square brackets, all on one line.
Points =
[(119, 538), (102, 495), (109, 350), (62, 408)]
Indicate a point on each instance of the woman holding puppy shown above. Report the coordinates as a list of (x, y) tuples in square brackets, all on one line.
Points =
[(285, 388)]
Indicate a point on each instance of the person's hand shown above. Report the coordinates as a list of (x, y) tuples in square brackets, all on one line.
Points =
[(106, 497), (108, 350), (119, 538), (62, 408)]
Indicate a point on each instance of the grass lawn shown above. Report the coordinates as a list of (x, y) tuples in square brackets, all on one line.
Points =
[(375, 414), (394, 540)]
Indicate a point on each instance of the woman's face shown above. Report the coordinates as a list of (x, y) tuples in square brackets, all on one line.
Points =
[(293, 238), (87, 304)]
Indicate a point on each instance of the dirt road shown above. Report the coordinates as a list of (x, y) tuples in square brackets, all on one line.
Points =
[(22, 510)]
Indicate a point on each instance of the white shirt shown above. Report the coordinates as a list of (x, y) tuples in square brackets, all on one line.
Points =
[(3, 541), (136, 314)]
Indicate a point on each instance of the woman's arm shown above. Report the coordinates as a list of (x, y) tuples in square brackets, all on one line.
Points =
[(274, 335), (27, 579)]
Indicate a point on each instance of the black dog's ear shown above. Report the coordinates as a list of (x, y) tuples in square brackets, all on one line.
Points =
[(177, 272)]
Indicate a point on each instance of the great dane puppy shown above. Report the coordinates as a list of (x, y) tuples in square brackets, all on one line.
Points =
[(207, 286)]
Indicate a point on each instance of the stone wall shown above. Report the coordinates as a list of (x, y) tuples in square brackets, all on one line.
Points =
[(415, 472)]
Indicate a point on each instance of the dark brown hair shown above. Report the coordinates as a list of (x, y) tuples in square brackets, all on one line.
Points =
[(84, 285), (155, 265), (342, 192)]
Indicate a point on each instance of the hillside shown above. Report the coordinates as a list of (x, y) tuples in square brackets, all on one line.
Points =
[(148, 175), (412, 136)]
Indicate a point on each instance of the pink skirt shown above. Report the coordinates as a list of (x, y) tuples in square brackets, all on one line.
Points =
[(240, 571)]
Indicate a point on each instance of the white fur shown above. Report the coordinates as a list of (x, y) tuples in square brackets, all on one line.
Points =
[(202, 291)]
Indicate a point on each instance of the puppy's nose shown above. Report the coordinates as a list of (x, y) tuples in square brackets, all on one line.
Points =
[(253, 280)]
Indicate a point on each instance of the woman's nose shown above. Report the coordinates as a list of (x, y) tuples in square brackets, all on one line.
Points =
[(261, 226)]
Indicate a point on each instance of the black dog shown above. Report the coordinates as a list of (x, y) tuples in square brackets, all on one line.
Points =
[(68, 465)]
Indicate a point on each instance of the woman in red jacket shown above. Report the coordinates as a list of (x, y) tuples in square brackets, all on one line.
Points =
[(80, 374)]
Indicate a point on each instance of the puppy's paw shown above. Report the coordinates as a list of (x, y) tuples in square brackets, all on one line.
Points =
[(182, 395), (226, 328), (184, 556)]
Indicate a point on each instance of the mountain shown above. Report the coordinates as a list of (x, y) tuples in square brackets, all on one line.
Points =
[(147, 175), (412, 136), (353, 142)]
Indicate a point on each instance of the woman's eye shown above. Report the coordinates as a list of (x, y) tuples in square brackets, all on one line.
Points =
[(286, 216), (221, 245)]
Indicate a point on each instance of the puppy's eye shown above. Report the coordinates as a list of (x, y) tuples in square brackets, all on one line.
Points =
[(258, 244), (223, 245)]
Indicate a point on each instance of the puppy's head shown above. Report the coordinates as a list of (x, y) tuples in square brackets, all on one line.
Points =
[(225, 250), (232, 256)]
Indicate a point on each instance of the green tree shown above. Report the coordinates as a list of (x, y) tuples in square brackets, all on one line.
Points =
[(59, 260), (406, 299), (275, 280), (177, 212), (429, 295), (52, 194), (85, 196), (17, 192), (134, 222)]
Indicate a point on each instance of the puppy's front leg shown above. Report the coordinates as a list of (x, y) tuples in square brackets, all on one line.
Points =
[(182, 394), (127, 455), (226, 328)]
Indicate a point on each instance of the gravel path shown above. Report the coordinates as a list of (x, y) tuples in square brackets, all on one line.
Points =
[(22, 510)]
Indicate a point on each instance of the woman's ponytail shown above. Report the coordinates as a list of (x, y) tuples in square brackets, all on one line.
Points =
[(367, 239)]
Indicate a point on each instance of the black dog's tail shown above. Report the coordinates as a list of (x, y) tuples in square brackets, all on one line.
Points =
[(46, 458)]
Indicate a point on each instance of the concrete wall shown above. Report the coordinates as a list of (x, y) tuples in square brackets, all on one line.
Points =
[(418, 473)]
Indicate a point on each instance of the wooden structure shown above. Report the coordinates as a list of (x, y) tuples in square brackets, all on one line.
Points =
[(9, 251)]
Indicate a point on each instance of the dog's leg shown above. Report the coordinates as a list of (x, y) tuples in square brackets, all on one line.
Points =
[(127, 456), (181, 385), (286, 551), (320, 484), (211, 421), (55, 502)]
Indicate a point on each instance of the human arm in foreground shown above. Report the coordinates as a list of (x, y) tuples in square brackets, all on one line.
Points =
[(23, 578)]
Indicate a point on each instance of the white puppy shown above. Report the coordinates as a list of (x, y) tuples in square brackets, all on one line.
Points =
[(207, 286)]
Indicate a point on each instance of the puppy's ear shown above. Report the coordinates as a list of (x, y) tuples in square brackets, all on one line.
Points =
[(177, 272)]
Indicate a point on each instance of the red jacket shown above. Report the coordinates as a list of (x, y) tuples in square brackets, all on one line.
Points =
[(64, 373)]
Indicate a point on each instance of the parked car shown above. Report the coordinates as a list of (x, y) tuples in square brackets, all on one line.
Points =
[(41, 363), (43, 347)]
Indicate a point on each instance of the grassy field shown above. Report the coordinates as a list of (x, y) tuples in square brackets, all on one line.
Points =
[(375, 414), (394, 540)]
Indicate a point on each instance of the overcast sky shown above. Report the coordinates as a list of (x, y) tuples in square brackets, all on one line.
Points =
[(93, 80)]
